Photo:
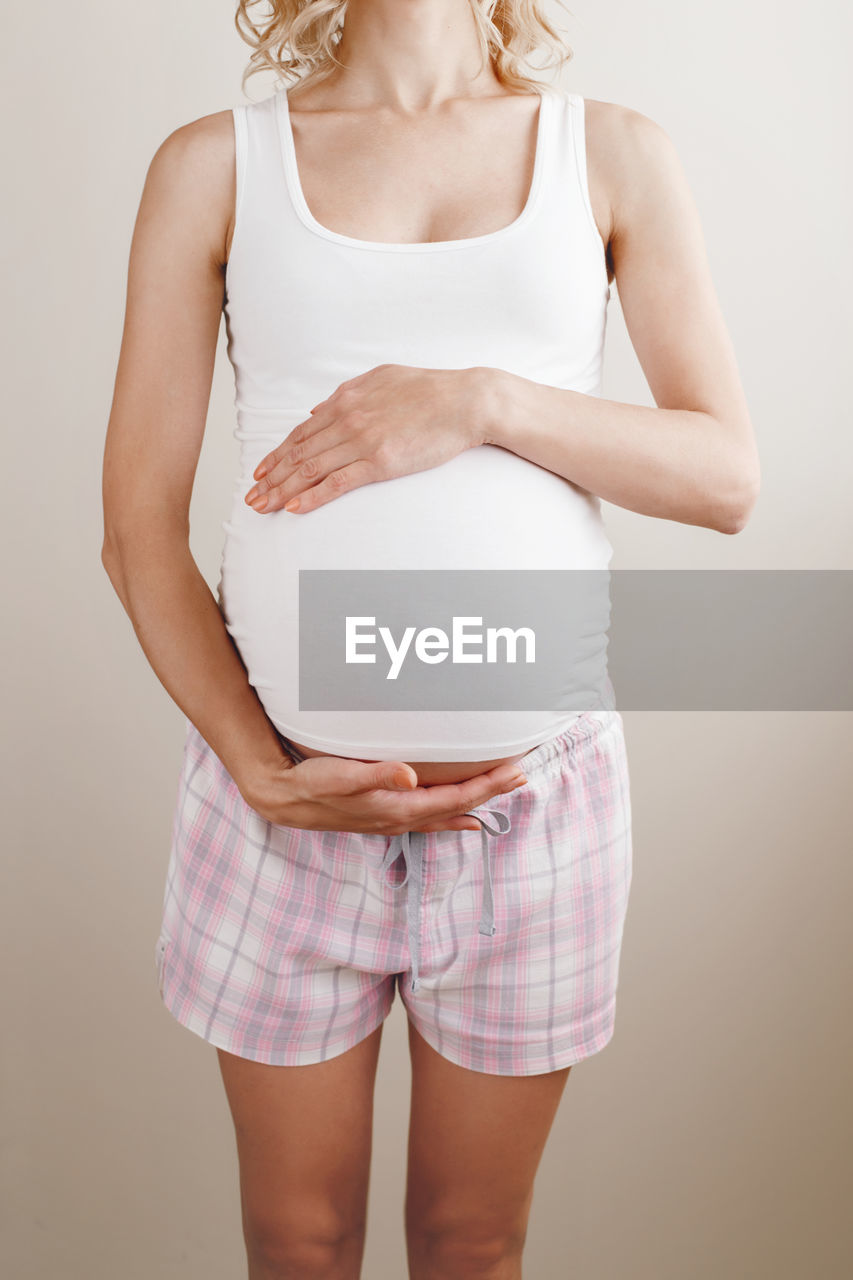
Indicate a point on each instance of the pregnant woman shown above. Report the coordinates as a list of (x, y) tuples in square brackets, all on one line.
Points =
[(413, 247)]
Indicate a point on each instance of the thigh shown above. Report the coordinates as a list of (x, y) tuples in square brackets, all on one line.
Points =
[(475, 1142), (303, 1143)]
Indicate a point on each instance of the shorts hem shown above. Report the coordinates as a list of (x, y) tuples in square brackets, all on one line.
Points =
[(271, 1058), (572, 1056)]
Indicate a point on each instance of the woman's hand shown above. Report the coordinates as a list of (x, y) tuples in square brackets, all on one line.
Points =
[(390, 421), (331, 793)]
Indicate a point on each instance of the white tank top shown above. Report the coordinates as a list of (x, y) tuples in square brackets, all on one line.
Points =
[(307, 308)]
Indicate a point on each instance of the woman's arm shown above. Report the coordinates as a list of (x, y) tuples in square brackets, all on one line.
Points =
[(154, 437), (693, 458)]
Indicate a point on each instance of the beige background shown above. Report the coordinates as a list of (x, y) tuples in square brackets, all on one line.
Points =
[(711, 1138)]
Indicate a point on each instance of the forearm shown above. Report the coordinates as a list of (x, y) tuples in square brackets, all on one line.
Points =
[(676, 464), (182, 633)]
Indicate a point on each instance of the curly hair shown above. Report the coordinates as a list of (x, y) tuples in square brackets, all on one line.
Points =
[(297, 38)]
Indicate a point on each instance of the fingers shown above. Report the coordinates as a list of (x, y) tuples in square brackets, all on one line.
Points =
[(450, 824), (353, 476), (390, 775), (297, 470), (295, 450), (300, 433), (456, 798), (435, 808), (394, 775), (339, 776), (271, 460), (386, 796)]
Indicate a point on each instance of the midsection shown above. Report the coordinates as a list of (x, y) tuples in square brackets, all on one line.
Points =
[(429, 772), (486, 510)]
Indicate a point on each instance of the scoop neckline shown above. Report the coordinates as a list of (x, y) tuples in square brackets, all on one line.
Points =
[(303, 212)]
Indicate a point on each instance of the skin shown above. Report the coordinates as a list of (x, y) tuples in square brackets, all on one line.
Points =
[(411, 96)]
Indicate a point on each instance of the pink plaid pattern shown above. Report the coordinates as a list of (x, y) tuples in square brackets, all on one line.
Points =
[(288, 946)]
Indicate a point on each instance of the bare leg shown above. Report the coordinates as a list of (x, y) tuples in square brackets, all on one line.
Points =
[(304, 1137), (475, 1142)]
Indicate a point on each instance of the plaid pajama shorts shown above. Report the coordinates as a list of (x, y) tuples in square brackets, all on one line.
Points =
[(287, 946)]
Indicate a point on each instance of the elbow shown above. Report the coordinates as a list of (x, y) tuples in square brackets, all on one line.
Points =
[(736, 503), (111, 560), (109, 556), (130, 537), (732, 515), (119, 539)]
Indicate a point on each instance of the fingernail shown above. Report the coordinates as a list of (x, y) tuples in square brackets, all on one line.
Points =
[(259, 502), (293, 505), (260, 471)]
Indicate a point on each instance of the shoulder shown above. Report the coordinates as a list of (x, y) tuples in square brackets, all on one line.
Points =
[(620, 137), (193, 172), (201, 146), (629, 156)]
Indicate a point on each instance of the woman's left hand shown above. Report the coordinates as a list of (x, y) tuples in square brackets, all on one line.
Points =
[(390, 421)]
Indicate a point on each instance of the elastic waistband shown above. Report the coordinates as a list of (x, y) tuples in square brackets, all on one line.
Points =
[(587, 727)]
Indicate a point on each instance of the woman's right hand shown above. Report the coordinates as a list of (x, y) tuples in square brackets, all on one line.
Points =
[(332, 793)]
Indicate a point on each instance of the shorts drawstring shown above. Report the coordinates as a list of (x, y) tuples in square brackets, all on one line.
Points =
[(411, 844)]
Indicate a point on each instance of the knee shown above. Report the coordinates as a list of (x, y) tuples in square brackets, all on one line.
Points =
[(306, 1248), (468, 1250)]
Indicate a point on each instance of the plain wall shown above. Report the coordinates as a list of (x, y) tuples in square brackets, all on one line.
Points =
[(712, 1137)]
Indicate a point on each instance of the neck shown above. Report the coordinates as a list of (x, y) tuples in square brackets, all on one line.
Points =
[(409, 55)]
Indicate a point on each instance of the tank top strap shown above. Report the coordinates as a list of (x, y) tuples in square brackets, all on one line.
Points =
[(261, 190), (567, 212)]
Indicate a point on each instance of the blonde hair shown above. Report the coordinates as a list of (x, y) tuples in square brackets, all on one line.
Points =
[(297, 38)]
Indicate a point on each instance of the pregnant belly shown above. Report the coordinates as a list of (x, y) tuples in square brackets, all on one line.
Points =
[(431, 772), (485, 510)]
